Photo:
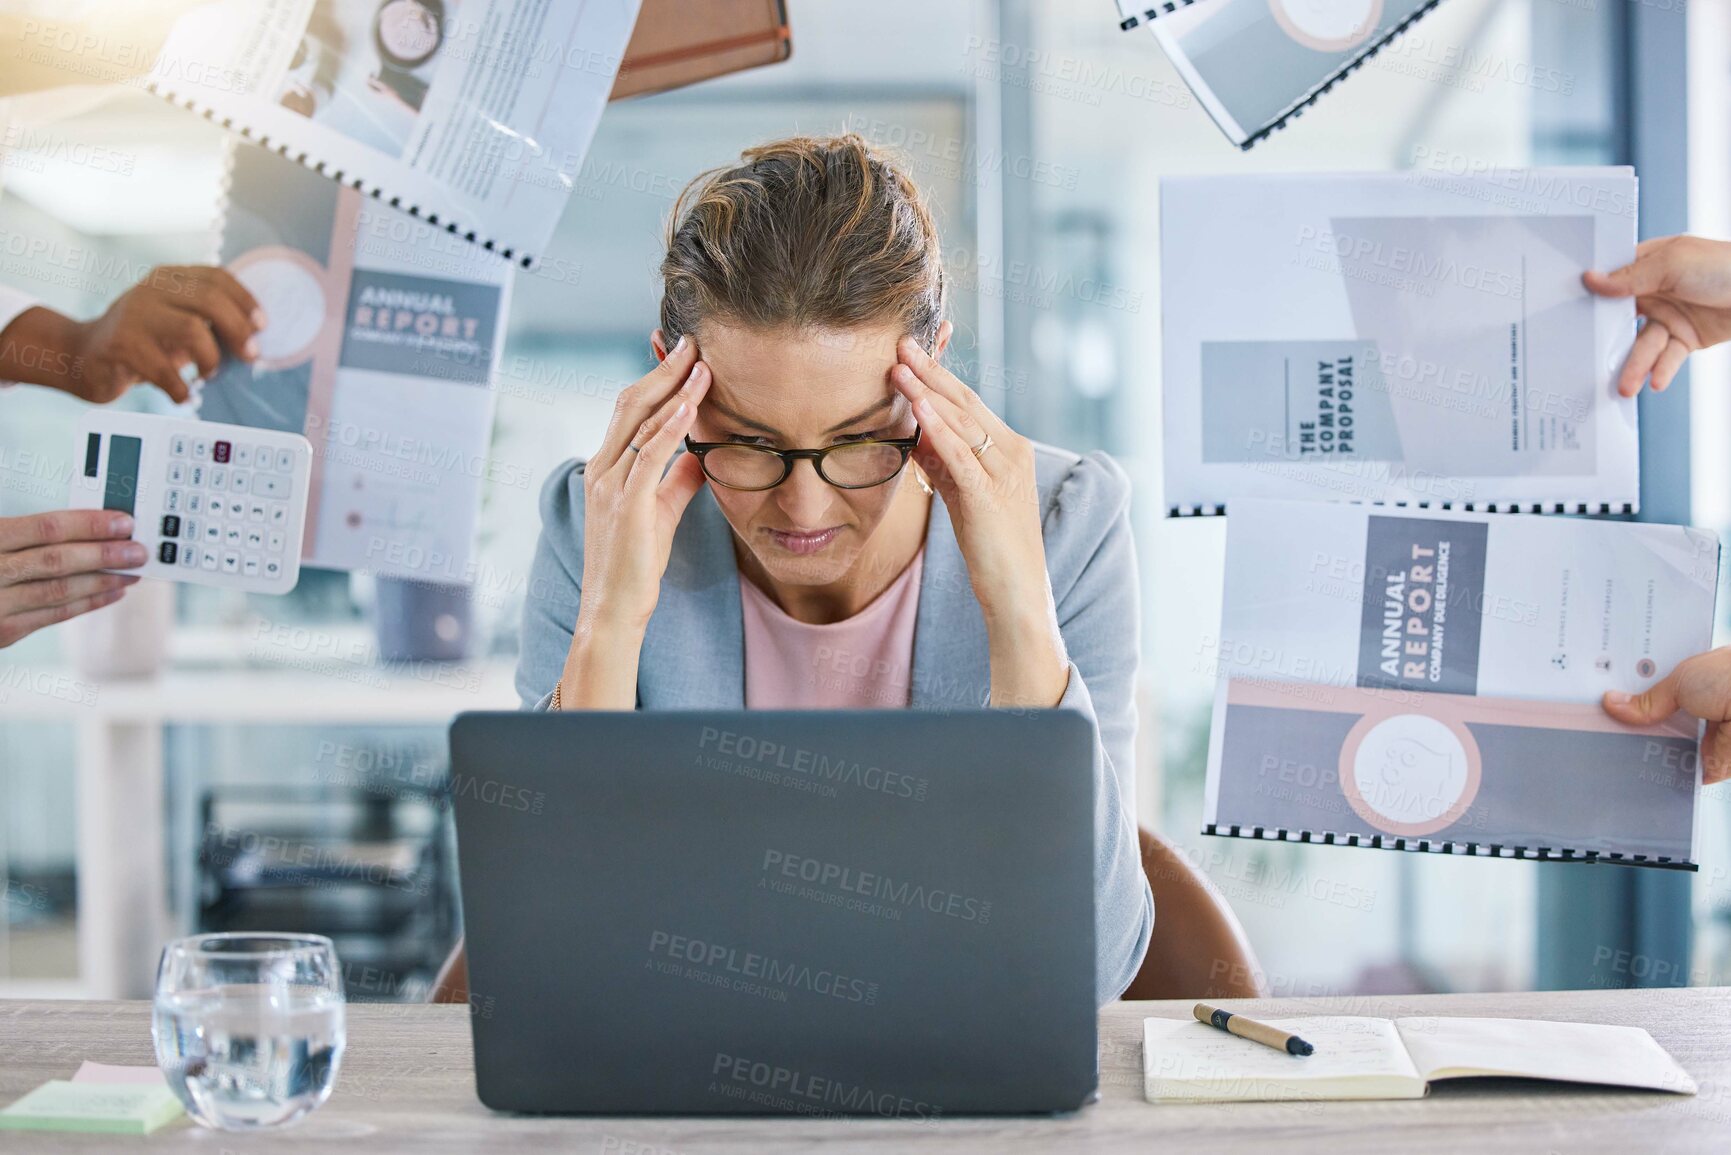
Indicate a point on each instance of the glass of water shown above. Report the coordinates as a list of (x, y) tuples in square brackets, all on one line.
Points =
[(249, 1027)]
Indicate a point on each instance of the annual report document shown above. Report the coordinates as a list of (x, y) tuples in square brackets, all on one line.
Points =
[(1429, 680), (1419, 337), (382, 341)]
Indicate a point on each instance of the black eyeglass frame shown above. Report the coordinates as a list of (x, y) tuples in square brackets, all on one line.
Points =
[(789, 456)]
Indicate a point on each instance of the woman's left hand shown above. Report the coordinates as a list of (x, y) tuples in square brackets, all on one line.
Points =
[(995, 508), (1701, 686)]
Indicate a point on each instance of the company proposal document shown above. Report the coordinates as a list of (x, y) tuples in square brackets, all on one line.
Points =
[(1429, 680), (1420, 337)]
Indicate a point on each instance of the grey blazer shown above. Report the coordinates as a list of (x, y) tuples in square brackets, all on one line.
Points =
[(694, 649)]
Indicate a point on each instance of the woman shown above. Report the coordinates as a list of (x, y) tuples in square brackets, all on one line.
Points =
[(748, 533)]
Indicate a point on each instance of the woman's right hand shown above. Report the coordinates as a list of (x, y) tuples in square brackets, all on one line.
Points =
[(630, 509)]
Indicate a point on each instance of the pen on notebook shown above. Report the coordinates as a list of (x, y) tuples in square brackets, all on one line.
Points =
[(1251, 1029)]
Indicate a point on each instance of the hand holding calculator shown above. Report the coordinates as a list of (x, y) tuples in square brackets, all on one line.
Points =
[(218, 505)]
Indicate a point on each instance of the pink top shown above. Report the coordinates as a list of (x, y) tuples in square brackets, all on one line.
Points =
[(862, 662)]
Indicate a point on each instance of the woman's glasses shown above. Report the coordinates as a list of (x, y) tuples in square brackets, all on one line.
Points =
[(849, 465)]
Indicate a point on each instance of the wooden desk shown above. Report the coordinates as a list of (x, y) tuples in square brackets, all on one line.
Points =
[(407, 1086)]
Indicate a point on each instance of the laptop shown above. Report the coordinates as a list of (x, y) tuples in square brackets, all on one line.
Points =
[(825, 913)]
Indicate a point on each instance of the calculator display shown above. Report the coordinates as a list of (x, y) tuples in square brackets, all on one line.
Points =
[(120, 489)]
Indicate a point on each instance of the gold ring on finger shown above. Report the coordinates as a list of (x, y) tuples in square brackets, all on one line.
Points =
[(981, 448)]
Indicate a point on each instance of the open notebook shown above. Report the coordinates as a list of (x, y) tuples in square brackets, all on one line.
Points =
[(1368, 1058)]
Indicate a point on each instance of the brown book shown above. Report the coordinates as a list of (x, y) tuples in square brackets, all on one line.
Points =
[(680, 42)]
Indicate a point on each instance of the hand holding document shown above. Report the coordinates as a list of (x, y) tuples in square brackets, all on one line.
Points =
[(1682, 286), (1700, 686)]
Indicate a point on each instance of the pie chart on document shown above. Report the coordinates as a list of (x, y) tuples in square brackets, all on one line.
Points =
[(292, 290)]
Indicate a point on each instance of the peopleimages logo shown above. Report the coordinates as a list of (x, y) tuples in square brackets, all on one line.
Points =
[(782, 867), (749, 968), (739, 1077), (834, 770)]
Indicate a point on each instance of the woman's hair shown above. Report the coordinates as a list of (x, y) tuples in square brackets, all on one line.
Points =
[(804, 233)]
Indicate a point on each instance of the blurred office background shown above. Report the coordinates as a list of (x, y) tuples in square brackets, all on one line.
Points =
[(1040, 133)]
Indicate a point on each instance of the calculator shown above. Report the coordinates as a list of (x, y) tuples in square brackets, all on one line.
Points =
[(215, 504)]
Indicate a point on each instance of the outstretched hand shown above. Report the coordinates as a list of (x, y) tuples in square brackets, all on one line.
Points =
[(1701, 686), (1682, 286), (176, 316)]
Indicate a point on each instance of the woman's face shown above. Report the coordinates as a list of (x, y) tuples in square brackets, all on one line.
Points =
[(803, 390)]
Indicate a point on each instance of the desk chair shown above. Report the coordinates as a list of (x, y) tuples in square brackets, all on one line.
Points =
[(452, 983), (1198, 951)]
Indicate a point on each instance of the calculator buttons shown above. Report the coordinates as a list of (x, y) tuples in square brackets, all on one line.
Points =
[(230, 508)]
